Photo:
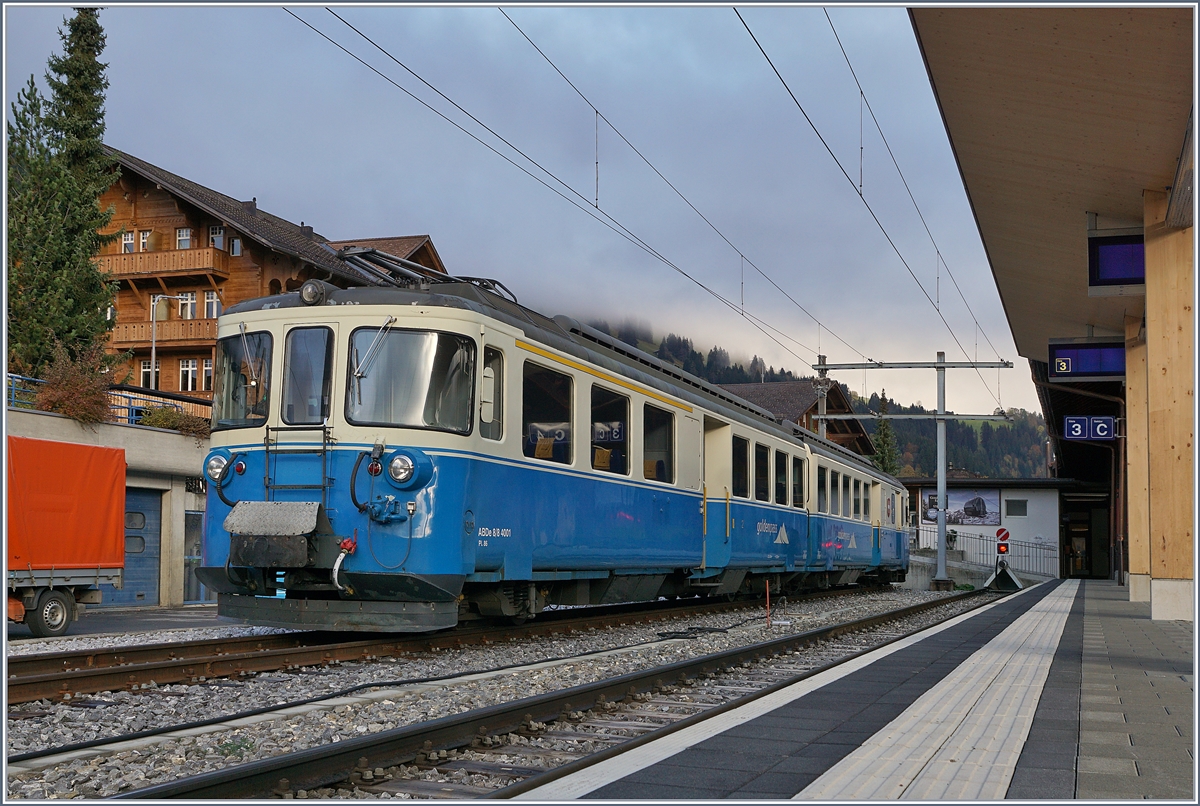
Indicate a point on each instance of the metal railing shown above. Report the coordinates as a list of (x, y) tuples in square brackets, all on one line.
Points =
[(980, 549), (128, 404), (22, 391)]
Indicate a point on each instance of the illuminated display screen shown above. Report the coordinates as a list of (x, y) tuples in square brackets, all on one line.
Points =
[(1095, 361), (1116, 260)]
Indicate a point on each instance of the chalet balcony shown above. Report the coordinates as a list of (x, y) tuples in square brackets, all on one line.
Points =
[(167, 263), (171, 333)]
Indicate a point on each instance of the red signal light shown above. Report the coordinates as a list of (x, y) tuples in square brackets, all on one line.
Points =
[(1002, 548), (375, 468)]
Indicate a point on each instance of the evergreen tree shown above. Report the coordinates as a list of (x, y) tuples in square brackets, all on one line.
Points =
[(56, 173), (886, 457)]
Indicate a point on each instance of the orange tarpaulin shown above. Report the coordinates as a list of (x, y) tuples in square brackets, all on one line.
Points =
[(66, 505)]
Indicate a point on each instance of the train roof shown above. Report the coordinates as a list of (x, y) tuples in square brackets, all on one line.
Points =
[(580, 340)]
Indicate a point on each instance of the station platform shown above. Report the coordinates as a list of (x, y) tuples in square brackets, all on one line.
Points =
[(1064, 690)]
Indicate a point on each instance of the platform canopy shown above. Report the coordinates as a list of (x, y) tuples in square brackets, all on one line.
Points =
[(1054, 113)]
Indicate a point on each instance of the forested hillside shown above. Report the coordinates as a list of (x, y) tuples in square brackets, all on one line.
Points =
[(997, 450)]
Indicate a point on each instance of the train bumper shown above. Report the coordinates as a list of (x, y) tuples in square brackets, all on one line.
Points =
[(338, 614)]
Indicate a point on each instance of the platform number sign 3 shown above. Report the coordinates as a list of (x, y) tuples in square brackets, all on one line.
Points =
[(1093, 428), (1075, 428)]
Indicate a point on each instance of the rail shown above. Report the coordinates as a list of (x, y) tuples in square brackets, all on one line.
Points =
[(979, 548)]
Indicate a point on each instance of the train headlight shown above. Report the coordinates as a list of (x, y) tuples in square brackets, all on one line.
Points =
[(401, 468), (408, 469), (312, 293), (215, 464)]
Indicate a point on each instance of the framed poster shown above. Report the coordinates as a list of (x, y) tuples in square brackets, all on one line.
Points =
[(964, 506)]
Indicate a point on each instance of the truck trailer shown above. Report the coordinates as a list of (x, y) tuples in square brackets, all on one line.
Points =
[(66, 530)]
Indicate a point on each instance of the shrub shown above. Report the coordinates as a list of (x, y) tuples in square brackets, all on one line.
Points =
[(77, 387), (176, 420)]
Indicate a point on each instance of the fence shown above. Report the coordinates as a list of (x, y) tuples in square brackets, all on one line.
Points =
[(980, 549), (128, 403)]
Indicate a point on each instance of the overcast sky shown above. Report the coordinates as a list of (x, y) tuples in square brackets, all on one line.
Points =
[(250, 102)]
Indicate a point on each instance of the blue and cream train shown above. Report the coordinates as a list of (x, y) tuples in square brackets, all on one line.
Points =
[(403, 458)]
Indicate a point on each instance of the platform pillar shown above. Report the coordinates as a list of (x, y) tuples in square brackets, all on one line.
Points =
[(1137, 458), (1170, 396)]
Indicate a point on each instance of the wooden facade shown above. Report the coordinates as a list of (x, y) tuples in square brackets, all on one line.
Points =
[(177, 238)]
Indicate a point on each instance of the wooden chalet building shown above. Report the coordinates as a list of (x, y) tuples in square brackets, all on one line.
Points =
[(182, 239), (797, 401)]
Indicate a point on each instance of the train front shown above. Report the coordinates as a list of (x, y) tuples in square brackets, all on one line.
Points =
[(336, 479)]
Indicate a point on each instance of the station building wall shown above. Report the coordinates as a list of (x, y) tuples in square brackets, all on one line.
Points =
[(157, 461)]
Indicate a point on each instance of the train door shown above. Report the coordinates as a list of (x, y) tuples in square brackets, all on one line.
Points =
[(717, 484), (143, 524)]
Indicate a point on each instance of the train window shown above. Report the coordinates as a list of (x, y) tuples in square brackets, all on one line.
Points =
[(610, 424), (798, 470), (781, 486), (741, 467), (762, 473), (658, 446), (411, 379), (858, 499), (822, 491), (307, 375), (845, 496), (546, 414), (834, 486), (491, 395), (868, 490), (241, 394)]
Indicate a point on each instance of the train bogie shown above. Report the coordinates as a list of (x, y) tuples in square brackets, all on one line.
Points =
[(398, 460)]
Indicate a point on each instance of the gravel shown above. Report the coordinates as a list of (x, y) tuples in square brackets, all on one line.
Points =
[(105, 775)]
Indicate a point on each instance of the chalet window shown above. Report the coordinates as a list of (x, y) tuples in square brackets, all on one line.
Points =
[(183, 238), (216, 237), (127, 242), (144, 240), (187, 375), (235, 246), (110, 314), (858, 499), (798, 470), (1016, 508), (781, 485), (762, 472), (610, 431), (658, 447), (491, 397), (546, 403), (187, 305), (146, 381), (212, 305), (207, 387), (741, 468)]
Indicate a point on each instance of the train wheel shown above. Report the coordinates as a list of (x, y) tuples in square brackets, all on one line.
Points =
[(52, 615)]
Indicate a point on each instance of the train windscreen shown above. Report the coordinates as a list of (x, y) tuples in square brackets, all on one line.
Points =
[(409, 378), (241, 393)]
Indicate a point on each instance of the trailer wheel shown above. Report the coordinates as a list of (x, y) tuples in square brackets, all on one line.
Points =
[(52, 615)]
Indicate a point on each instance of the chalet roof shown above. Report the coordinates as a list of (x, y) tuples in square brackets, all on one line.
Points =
[(270, 230), (792, 400), (404, 246)]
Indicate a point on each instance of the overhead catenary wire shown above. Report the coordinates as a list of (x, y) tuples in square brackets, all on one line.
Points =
[(862, 197), (600, 116), (583, 204), (903, 179)]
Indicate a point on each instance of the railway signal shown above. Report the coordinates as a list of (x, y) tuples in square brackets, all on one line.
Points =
[(1001, 549)]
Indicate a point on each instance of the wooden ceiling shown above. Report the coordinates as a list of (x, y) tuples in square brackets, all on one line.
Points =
[(1053, 113)]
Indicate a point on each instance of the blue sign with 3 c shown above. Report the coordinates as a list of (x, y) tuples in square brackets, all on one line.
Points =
[(1098, 428)]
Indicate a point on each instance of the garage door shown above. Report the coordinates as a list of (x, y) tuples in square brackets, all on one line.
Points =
[(143, 522)]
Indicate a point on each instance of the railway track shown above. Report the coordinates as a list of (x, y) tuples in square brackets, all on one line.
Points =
[(504, 749), (65, 675)]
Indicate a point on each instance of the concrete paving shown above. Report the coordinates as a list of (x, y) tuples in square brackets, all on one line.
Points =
[(1136, 701), (102, 621)]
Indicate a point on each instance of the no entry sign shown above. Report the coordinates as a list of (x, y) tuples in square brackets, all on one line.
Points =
[(1002, 534)]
